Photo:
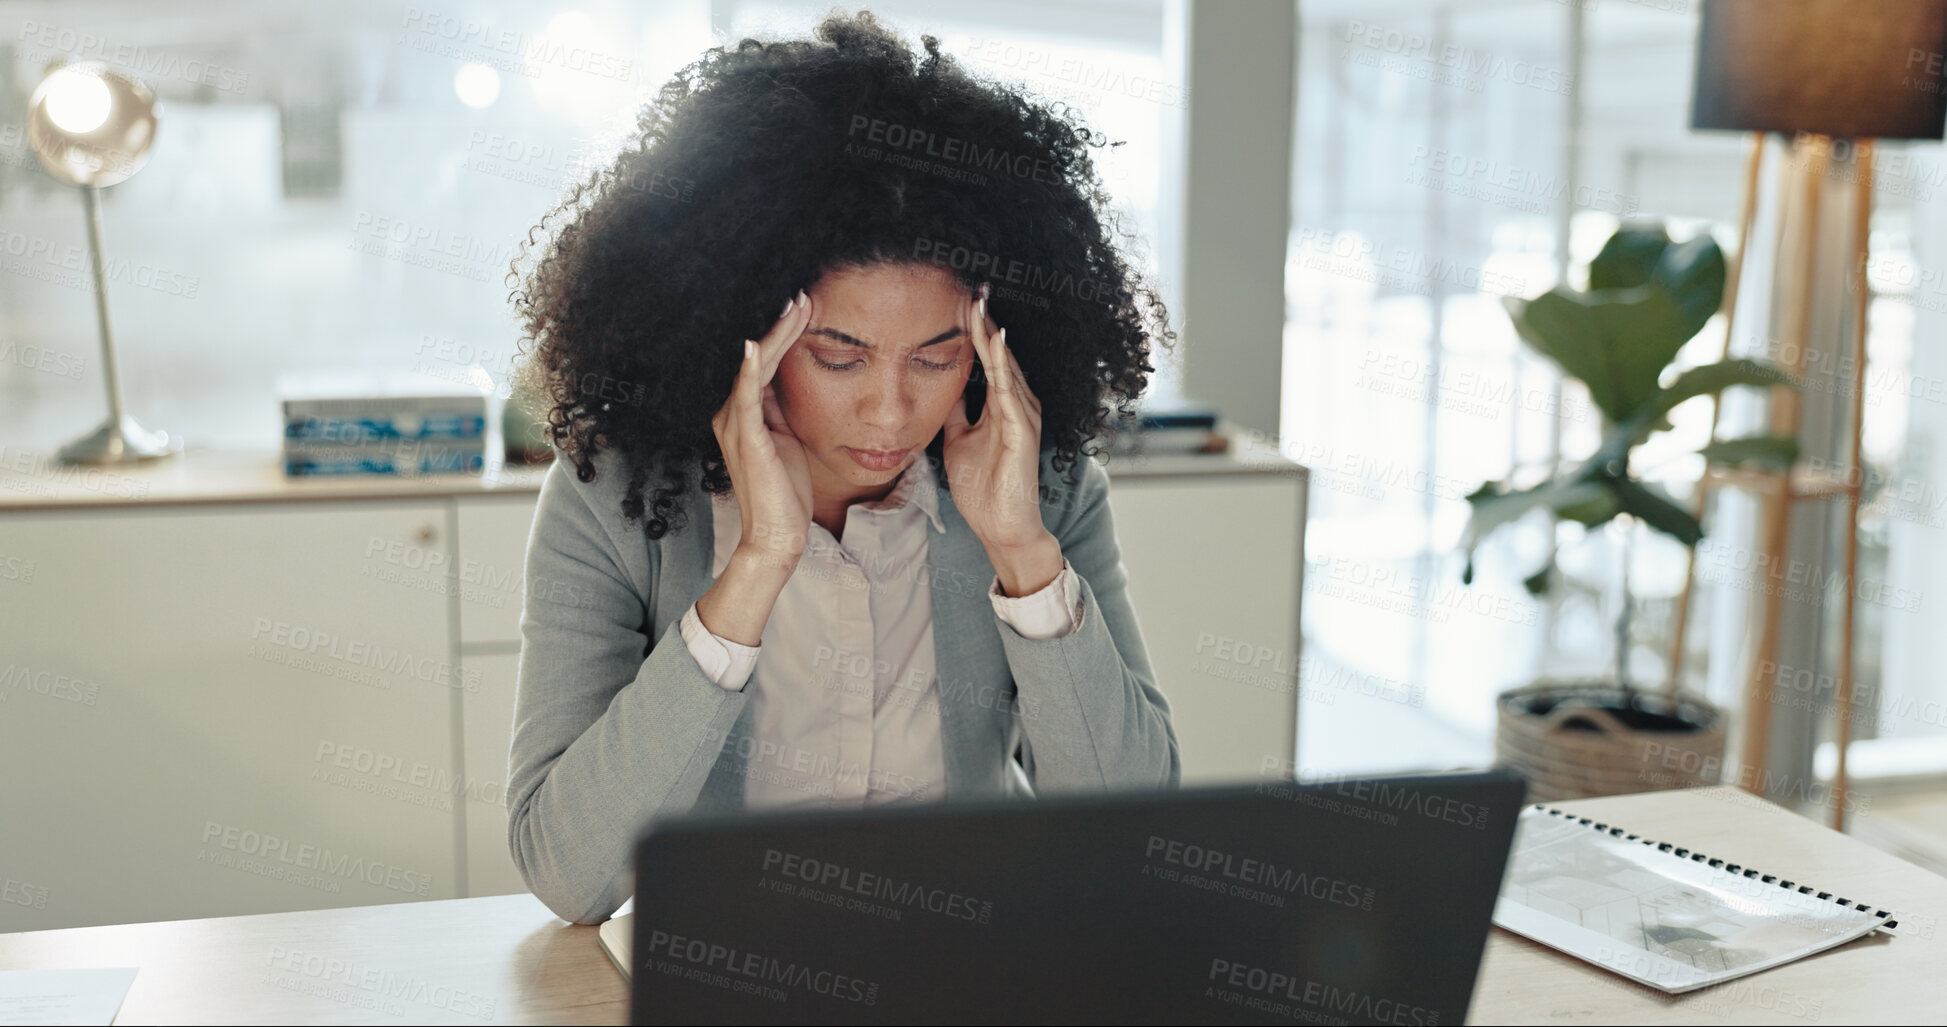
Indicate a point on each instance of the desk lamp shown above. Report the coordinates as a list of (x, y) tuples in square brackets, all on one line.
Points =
[(92, 127)]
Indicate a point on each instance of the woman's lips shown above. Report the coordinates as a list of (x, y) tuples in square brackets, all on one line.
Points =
[(876, 460)]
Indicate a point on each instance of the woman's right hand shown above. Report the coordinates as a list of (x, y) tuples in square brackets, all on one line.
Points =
[(768, 470)]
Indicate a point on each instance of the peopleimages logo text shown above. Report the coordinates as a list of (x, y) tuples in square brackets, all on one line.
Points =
[(1413, 800), (744, 963), (1318, 994), (1258, 872), (971, 153), (828, 874), (306, 856)]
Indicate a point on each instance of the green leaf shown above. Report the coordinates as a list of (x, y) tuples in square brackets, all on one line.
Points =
[(1629, 257), (1554, 325), (1598, 509), (1493, 508), (1706, 380), (1777, 452), (1658, 510), (1616, 342), (1693, 272)]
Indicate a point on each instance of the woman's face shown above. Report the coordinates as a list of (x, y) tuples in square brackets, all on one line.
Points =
[(877, 369)]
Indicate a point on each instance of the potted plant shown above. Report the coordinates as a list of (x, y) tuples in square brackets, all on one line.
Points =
[(1647, 297)]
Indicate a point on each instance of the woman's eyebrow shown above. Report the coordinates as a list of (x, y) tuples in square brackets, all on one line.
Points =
[(951, 333)]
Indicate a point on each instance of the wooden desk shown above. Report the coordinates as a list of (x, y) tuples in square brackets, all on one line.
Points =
[(508, 960)]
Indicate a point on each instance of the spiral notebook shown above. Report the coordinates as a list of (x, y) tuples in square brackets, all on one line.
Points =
[(1660, 914)]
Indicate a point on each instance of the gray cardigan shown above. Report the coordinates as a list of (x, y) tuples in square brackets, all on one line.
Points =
[(615, 722)]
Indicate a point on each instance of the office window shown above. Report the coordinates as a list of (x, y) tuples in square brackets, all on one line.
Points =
[(1432, 177), (331, 186), (345, 185)]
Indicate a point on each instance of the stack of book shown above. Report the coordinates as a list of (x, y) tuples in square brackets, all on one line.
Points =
[(1168, 426), (378, 422)]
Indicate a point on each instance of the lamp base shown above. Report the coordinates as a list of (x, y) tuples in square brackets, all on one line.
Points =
[(122, 441)]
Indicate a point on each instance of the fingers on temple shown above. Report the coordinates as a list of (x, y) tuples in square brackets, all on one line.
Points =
[(784, 333)]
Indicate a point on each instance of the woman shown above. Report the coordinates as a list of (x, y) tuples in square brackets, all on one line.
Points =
[(886, 589)]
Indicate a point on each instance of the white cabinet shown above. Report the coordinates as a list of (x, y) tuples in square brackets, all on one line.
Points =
[(207, 711), (1214, 573), (489, 733), (492, 554)]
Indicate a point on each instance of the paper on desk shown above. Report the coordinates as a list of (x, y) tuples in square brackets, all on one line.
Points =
[(617, 938), (1654, 917), (63, 996)]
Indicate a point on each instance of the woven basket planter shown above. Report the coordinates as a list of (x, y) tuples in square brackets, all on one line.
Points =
[(1581, 747)]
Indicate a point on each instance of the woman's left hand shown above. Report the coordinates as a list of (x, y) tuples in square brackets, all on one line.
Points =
[(995, 466)]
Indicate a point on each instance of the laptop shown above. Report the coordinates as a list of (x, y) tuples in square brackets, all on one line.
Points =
[(1346, 901)]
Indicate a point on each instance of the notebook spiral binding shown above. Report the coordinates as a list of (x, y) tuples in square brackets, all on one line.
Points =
[(1889, 925)]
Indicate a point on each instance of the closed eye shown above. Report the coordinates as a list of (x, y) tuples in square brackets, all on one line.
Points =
[(948, 366)]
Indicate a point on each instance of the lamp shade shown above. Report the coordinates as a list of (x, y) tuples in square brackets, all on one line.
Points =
[(91, 125), (1857, 69)]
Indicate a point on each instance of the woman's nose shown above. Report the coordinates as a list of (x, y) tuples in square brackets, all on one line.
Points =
[(889, 397)]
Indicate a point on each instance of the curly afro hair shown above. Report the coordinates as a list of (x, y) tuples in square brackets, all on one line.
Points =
[(758, 169)]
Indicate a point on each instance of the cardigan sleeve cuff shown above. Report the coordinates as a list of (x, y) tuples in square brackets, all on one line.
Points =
[(725, 662), (1053, 612)]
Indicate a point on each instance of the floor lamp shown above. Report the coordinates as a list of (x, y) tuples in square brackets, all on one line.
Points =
[(1817, 72)]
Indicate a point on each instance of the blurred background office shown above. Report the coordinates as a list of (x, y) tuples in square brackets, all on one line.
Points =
[(1335, 197)]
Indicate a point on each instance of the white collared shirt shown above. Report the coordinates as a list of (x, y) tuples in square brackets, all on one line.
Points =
[(845, 700)]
